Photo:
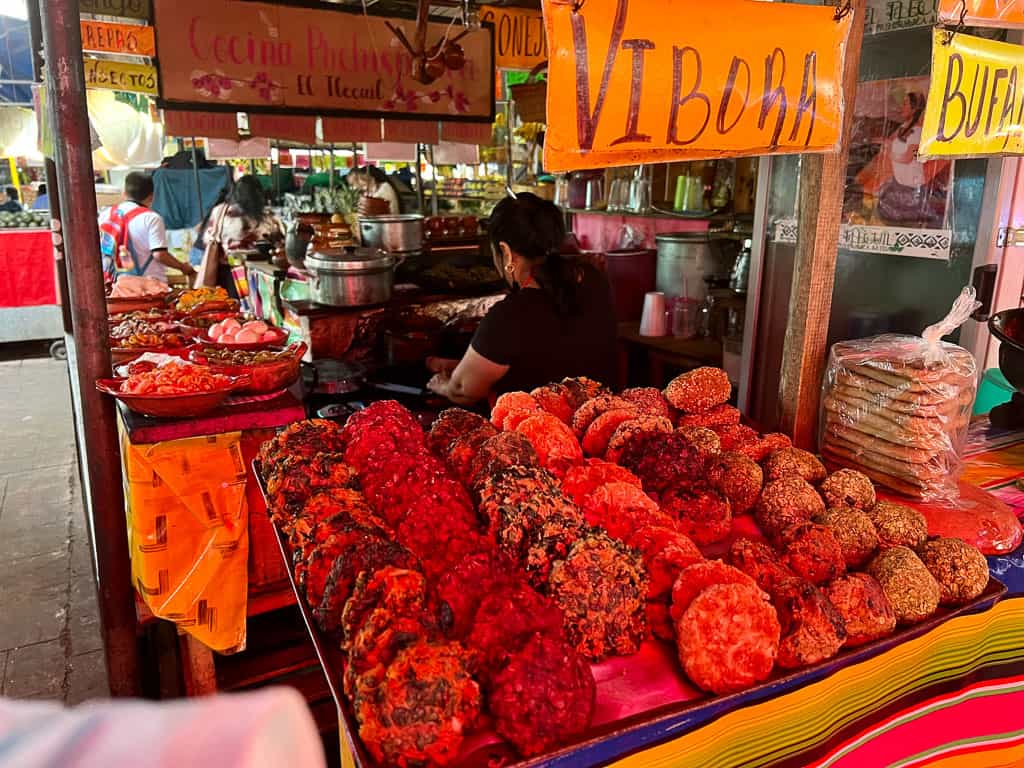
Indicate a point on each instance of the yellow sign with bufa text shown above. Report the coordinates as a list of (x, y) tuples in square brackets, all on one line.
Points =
[(976, 98), (121, 76)]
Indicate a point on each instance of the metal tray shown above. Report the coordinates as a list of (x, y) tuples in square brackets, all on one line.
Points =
[(633, 682)]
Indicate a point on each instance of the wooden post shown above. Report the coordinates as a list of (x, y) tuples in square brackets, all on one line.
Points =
[(822, 183), (89, 356)]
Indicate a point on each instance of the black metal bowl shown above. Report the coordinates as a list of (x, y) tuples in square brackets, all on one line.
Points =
[(1008, 327)]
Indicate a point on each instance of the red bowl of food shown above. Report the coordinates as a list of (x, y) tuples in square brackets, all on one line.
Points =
[(278, 339), (198, 325), (120, 355), (173, 404), (269, 370)]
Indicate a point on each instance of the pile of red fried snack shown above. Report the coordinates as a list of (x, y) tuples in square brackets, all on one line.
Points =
[(482, 567)]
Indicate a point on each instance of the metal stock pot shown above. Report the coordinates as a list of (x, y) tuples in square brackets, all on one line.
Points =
[(397, 233), (350, 276)]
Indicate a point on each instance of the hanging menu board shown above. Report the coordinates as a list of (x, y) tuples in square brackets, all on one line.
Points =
[(733, 77), (128, 9), (519, 38), (120, 76), (258, 57), (976, 99), (983, 13)]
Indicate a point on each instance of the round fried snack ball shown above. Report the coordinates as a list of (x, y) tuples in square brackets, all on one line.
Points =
[(912, 590), (898, 525), (593, 408), (544, 697), (695, 578), (865, 609), (649, 400), (812, 628), (848, 488), (702, 514), (737, 478), (509, 402), (699, 390), (728, 638), (602, 587), (703, 440), (787, 501), (960, 569), (795, 461), (812, 552), (854, 531), (760, 562), (419, 710)]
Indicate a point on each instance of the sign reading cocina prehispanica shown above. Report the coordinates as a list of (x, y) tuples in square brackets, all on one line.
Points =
[(260, 57), (976, 98), (633, 81)]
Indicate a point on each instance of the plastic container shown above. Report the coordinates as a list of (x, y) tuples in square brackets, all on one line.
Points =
[(631, 273), (994, 390)]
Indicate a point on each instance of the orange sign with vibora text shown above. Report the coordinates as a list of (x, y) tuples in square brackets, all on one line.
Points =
[(983, 13), (729, 78)]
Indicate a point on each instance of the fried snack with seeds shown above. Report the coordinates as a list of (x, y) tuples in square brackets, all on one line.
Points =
[(719, 416), (866, 611), (854, 531), (898, 525), (699, 391), (621, 508), (649, 401), (849, 488), (463, 450), (555, 399), (449, 425), (703, 440), (912, 590), (701, 512), (961, 570), (590, 410), (601, 588), (784, 502), (420, 709), (737, 478), (581, 389), (760, 561), (555, 444), (795, 461), (584, 479), (662, 461), (504, 450), (812, 629), (463, 586), (398, 590), (599, 433), (812, 552), (632, 430)]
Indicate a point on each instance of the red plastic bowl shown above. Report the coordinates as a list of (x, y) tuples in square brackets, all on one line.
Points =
[(281, 338), (172, 406), (198, 325), (266, 377)]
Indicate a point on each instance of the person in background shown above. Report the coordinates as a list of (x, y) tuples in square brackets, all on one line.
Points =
[(12, 204), (146, 236), (239, 223), (42, 202), (558, 321), (372, 182)]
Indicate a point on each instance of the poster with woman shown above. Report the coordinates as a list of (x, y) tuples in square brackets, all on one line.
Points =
[(893, 201)]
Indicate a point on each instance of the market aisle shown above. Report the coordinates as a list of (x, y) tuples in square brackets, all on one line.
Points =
[(50, 645)]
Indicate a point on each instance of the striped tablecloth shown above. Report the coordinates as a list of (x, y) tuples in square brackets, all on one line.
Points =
[(953, 697)]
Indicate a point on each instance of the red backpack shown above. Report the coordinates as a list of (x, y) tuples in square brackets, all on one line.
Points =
[(113, 235)]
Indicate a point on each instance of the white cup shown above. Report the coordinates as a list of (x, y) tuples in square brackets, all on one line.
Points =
[(653, 322)]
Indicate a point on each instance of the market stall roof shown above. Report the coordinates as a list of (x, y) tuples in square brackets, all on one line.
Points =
[(15, 62)]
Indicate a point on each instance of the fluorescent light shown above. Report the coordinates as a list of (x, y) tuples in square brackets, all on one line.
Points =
[(16, 8)]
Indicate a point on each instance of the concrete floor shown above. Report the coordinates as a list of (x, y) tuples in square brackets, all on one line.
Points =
[(50, 645)]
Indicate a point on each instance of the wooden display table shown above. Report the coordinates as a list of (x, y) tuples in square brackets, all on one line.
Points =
[(664, 352)]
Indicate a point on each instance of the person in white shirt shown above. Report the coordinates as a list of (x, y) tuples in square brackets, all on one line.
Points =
[(146, 230), (910, 197)]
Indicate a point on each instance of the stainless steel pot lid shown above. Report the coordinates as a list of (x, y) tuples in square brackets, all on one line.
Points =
[(682, 237), (349, 259)]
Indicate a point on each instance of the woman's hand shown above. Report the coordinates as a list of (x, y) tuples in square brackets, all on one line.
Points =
[(440, 384), (443, 365)]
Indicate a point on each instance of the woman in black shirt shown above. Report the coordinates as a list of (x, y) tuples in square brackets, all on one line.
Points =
[(558, 320)]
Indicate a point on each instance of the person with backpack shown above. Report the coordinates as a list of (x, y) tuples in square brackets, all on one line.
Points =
[(133, 239)]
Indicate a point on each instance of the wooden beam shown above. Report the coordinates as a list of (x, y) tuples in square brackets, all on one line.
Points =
[(822, 184)]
